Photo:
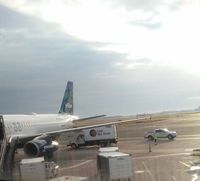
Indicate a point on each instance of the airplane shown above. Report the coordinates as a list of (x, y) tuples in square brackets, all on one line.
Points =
[(34, 132)]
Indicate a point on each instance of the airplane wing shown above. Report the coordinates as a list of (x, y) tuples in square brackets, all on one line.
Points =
[(93, 126), (36, 146), (91, 117), (25, 138)]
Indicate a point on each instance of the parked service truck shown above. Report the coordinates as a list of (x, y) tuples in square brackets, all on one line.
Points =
[(114, 166), (103, 136)]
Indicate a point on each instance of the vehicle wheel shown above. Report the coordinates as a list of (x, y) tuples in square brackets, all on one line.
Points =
[(170, 137), (150, 137), (74, 146)]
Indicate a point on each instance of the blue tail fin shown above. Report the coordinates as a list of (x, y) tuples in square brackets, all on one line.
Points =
[(67, 102)]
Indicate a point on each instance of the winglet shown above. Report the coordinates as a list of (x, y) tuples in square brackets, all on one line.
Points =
[(67, 102)]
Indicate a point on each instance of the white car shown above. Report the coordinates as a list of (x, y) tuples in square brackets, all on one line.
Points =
[(160, 133)]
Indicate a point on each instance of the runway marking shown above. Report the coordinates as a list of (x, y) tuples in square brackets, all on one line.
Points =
[(78, 165), (157, 156), (189, 149), (173, 178), (185, 164), (131, 139), (148, 171), (139, 171), (194, 177), (190, 135), (191, 162), (191, 138), (179, 137)]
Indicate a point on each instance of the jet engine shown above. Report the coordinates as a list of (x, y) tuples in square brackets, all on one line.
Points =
[(39, 145)]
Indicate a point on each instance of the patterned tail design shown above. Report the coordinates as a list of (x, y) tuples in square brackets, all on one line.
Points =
[(67, 102)]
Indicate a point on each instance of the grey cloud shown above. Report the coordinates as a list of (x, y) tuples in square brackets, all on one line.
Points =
[(36, 61), (144, 90), (145, 5), (147, 23), (149, 8), (143, 60)]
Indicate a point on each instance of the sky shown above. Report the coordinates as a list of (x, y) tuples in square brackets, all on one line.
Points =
[(125, 57)]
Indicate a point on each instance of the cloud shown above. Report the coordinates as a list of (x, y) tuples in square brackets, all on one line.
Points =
[(148, 14), (38, 57), (135, 64), (126, 75), (146, 6), (196, 98), (152, 29)]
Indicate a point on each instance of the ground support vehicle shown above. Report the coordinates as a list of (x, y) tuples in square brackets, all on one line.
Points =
[(103, 136), (160, 133)]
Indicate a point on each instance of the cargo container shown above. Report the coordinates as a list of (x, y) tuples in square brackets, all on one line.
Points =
[(114, 166), (33, 169)]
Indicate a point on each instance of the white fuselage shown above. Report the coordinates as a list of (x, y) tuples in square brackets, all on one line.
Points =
[(23, 126)]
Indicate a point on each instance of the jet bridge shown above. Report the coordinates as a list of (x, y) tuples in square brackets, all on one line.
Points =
[(2, 139), (2, 130), (8, 147)]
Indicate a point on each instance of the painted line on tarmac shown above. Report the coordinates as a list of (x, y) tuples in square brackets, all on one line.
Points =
[(158, 156), (180, 137), (185, 164), (189, 149), (148, 171), (139, 171), (78, 165), (173, 178), (191, 138), (195, 177), (190, 135), (131, 138), (191, 162)]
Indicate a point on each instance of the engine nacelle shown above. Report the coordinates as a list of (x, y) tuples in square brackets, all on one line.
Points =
[(37, 146)]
